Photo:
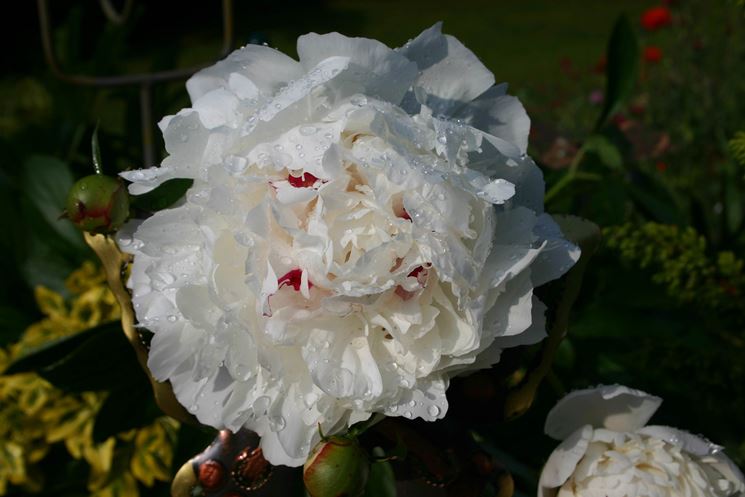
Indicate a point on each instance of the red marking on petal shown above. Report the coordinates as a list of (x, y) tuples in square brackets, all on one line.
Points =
[(293, 278), (305, 180), (415, 272), (404, 214), (420, 273), (404, 294)]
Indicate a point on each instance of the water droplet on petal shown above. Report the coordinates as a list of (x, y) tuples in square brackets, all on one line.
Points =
[(308, 130), (277, 423), (261, 405), (358, 100), (433, 411)]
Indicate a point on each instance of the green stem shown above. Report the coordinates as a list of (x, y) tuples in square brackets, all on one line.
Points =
[(567, 179)]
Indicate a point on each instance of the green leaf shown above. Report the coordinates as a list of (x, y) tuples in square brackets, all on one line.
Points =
[(623, 60), (45, 182), (116, 414), (655, 199), (382, 481), (106, 361), (606, 151), (164, 196), (55, 351), (734, 201), (12, 324), (47, 248)]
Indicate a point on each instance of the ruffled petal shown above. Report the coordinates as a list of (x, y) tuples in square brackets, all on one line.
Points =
[(563, 461), (614, 407), (375, 70), (450, 75), (265, 68)]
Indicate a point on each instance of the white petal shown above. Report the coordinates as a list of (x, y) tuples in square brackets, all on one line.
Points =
[(265, 67), (218, 108), (557, 257), (380, 71), (563, 461), (614, 407), (450, 74), (500, 115), (692, 444)]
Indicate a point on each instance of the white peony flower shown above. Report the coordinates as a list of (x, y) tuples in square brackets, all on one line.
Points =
[(363, 225), (607, 451)]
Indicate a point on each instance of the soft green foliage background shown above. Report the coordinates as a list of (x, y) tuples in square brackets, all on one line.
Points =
[(663, 305)]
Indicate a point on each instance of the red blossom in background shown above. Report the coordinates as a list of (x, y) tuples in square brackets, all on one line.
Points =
[(652, 54), (661, 166), (655, 18)]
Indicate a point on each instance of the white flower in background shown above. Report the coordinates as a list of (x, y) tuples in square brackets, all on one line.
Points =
[(607, 451), (363, 225)]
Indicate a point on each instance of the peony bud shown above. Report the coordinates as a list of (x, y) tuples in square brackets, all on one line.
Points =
[(98, 203), (336, 466)]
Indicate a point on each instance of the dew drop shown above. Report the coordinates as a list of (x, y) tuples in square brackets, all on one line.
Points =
[(172, 318), (433, 411), (407, 414), (308, 130), (358, 100), (261, 405), (412, 403), (277, 423)]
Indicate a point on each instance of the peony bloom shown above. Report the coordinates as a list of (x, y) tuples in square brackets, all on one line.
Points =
[(607, 451), (655, 18), (363, 225)]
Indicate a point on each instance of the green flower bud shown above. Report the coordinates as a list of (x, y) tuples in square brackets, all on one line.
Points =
[(98, 204), (337, 467)]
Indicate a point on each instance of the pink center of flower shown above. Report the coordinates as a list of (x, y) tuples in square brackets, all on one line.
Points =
[(293, 278), (305, 180)]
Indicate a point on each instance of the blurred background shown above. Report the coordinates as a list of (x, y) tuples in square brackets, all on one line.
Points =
[(662, 305)]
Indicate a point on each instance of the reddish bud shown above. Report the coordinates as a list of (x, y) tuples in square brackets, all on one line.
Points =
[(251, 470), (211, 475), (98, 204), (337, 466)]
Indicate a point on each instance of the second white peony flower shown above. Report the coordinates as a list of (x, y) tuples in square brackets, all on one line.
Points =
[(364, 224)]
